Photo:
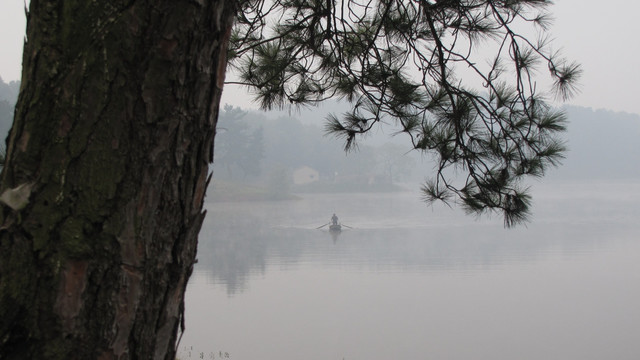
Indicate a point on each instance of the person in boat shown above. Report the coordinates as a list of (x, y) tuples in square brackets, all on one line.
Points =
[(334, 220)]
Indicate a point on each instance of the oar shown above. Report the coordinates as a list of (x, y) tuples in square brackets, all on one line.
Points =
[(323, 225), (346, 226)]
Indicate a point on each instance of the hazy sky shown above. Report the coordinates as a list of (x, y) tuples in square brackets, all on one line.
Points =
[(602, 36)]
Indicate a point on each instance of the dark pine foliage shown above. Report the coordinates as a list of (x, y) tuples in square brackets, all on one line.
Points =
[(456, 76)]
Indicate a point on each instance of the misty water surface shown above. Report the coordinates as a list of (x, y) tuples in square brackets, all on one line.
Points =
[(414, 282)]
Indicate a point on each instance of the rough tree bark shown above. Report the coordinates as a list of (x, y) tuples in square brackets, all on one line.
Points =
[(106, 171)]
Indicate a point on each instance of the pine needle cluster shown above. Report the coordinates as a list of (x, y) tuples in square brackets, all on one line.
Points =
[(458, 77)]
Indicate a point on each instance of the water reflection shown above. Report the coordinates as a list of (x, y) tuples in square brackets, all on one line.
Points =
[(409, 282), (242, 240)]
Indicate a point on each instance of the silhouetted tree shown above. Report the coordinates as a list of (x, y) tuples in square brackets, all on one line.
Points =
[(107, 160), (8, 96), (6, 117), (238, 145), (393, 163), (9, 91)]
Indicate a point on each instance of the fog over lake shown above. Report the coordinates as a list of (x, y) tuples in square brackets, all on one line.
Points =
[(409, 281), (415, 282)]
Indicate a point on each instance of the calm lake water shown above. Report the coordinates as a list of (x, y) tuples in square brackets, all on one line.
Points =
[(415, 282)]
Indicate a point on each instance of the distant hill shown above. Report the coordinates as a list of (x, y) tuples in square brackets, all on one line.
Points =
[(602, 145)]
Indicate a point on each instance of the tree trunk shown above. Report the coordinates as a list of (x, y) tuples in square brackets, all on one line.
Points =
[(107, 165)]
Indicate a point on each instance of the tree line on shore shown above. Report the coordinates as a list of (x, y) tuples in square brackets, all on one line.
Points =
[(257, 147)]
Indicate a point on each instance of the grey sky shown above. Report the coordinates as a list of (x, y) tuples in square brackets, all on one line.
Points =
[(600, 35)]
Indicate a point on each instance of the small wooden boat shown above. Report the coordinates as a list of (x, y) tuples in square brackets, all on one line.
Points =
[(335, 228)]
